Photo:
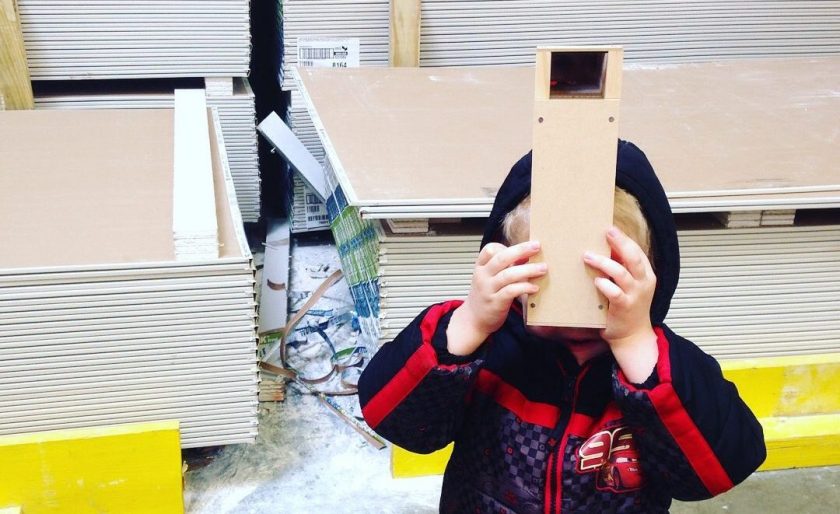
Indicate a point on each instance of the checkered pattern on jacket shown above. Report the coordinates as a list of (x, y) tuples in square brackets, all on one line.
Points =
[(497, 455), (437, 402)]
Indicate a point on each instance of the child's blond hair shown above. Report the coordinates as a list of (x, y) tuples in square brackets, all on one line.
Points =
[(627, 216)]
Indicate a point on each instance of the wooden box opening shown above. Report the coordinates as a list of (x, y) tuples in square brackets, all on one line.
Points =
[(578, 74)]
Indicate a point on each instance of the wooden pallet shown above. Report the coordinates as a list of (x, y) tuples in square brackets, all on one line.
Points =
[(15, 87)]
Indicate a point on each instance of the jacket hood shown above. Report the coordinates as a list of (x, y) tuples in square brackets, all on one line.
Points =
[(635, 175)]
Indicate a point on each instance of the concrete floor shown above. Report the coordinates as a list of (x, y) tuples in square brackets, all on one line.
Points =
[(799, 491), (307, 460)]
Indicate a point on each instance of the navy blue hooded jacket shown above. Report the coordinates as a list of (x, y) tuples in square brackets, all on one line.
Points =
[(534, 431)]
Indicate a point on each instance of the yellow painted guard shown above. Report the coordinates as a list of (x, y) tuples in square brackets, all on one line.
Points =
[(134, 468), (801, 441), (787, 386), (795, 399), (406, 464)]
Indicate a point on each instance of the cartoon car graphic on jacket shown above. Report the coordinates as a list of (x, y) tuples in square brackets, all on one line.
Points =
[(613, 455)]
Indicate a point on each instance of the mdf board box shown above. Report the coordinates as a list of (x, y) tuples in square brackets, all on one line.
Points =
[(576, 107)]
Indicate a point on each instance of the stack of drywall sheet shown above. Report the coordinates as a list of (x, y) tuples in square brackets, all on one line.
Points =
[(301, 124), (357, 245), (107, 39), (238, 119), (100, 322), (309, 212), (326, 33), (760, 291), (334, 33), (498, 32), (762, 140), (416, 270), (742, 292), (329, 33), (236, 113)]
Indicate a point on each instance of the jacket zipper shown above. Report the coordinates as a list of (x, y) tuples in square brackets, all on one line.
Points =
[(549, 483), (557, 476)]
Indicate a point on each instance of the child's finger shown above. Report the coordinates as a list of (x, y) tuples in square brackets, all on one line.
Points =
[(517, 289), (488, 252), (611, 291), (519, 273), (511, 254), (610, 268), (629, 253)]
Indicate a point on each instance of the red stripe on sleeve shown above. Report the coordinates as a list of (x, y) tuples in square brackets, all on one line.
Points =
[(512, 399), (416, 367), (432, 317), (676, 419), (395, 391)]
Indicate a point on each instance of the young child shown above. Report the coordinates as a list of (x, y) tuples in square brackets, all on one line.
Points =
[(556, 420)]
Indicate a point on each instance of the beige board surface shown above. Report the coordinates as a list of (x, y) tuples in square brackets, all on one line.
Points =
[(572, 184), (423, 133), (571, 207), (763, 124), (85, 187), (450, 135), (104, 188)]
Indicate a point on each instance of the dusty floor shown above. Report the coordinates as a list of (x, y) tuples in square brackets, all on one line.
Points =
[(307, 460)]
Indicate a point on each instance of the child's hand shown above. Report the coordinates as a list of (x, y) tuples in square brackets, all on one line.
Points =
[(501, 275), (630, 293)]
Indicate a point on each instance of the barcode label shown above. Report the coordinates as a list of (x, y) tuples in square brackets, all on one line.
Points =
[(317, 52)]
